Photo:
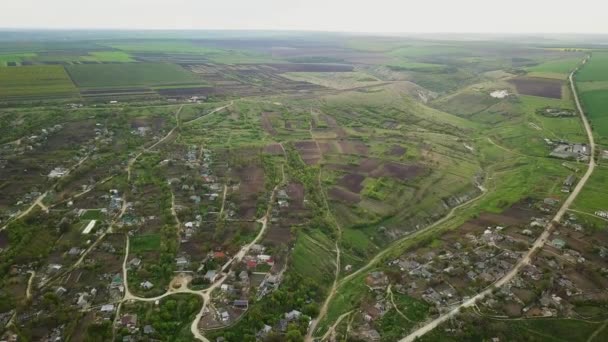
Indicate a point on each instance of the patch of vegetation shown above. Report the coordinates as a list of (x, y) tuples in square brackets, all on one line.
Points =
[(37, 81), (144, 243), (129, 75)]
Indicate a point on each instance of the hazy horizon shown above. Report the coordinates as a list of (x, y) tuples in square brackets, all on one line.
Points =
[(380, 16)]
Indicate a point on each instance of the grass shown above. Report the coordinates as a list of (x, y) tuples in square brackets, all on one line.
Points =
[(416, 66), (336, 80), (161, 46), (566, 128), (555, 69), (393, 326), (596, 108), (596, 69), (313, 261), (92, 214), (5, 58), (594, 195), (144, 243), (109, 56), (26, 81), (129, 75)]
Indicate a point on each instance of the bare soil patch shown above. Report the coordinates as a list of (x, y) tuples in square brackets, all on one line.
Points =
[(309, 151), (278, 234), (274, 149), (353, 147), (399, 171), (397, 151), (543, 87), (3, 239), (342, 195), (352, 182), (267, 124), (295, 191)]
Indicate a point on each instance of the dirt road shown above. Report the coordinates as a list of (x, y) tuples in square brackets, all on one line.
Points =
[(211, 112), (539, 243)]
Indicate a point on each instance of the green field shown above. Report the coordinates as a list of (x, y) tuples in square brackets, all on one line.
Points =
[(5, 58), (416, 66), (592, 82), (129, 75), (596, 68), (144, 243), (35, 81), (109, 56), (162, 46), (596, 106), (555, 69), (92, 214), (594, 195)]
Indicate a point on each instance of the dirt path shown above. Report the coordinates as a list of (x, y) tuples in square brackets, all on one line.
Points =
[(133, 160), (506, 149), (212, 112), (224, 199), (331, 332), (389, 290), (596, 332), (588, 214), (382, 254), (334, 286), (178, 223), (34, 204), (28, 291), (540, 241)]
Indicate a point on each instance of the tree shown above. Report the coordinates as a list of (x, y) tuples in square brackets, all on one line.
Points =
[(294, 335)]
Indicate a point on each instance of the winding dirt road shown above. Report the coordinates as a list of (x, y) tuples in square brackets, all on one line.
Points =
[(538, 244)]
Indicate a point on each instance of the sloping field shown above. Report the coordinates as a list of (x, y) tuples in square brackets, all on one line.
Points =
[(555, 69), (131, 74), (35, 81)]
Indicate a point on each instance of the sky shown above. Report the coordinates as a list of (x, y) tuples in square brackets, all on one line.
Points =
[(369, 16)]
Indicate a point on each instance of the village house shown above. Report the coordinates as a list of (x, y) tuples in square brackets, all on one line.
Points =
[(262, 333), (568, 183), (242, 304), (107, 308), (558, 243), (293, 315), (146, 285), (149, 330), (135, 262), (129, 321), (181, 262), (210, 276)]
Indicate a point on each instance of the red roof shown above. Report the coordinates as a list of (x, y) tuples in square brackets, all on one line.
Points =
[(251, 263), (219, 255)]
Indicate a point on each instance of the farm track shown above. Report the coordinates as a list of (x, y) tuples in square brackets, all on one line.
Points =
[(334, 286), (538, 244), (389, 291)]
